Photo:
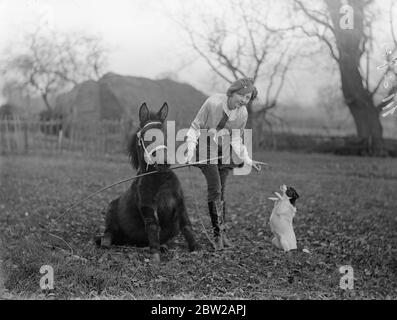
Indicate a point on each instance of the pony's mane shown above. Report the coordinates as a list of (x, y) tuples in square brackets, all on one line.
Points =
[(132, 146), (132, 150)]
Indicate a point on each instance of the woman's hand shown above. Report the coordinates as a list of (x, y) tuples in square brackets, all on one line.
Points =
[(189, 156), (191, 151), (256, 165)]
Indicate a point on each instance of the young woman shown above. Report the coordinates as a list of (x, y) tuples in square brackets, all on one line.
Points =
[(221, 112)]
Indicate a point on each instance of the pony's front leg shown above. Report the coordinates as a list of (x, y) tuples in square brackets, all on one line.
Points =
[(110, 224), (153, 231), (186, 226)]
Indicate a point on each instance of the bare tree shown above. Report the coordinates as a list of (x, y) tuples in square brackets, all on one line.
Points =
[(241, 43), (51, 61), (350, 49)]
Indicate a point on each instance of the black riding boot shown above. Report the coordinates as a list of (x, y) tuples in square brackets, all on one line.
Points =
[(226, 242), (215, 211)]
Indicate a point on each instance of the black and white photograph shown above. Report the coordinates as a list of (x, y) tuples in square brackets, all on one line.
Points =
[(215, 151)]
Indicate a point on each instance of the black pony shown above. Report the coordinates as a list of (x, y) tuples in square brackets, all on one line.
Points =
[(152, 210)]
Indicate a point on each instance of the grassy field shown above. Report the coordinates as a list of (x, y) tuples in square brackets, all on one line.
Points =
[(347, 215)]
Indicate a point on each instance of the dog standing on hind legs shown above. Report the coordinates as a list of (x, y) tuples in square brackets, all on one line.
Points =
[(283, 213), (152, 211)]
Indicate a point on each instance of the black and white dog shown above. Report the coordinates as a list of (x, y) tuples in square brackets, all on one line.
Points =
[(284, 211)]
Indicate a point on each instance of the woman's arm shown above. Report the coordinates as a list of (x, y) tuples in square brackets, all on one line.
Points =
[(241, 150), (193, 133), (201, 118), (238, 147)]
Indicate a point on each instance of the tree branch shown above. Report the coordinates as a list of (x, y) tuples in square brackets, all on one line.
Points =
[(323, 39), (206, 58), (311, 15)]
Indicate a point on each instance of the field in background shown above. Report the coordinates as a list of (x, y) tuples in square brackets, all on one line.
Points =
[(346, 216)]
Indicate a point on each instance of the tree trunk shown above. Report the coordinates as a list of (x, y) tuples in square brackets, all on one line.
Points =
[(368, 127), (350, 47), (363, 110)]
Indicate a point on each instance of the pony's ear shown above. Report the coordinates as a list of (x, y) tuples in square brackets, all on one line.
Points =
[(143, 113), (163, 112)]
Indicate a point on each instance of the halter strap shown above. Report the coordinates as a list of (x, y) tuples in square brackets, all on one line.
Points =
[(149, 123), (139, 133), (149, 155)]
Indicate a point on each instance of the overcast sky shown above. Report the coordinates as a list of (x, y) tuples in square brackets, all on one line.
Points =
[(143, 41), (140, 38)]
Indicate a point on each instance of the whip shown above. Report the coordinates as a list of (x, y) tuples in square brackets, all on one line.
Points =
[(126, 180)]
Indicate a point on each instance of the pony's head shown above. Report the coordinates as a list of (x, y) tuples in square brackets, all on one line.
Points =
[(147, 145)]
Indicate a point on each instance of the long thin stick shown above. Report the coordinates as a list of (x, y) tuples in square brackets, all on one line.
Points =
[(126, 180), (53, 235)]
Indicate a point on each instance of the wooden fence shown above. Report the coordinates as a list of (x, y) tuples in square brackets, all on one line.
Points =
[(33, 136), (99, 138)]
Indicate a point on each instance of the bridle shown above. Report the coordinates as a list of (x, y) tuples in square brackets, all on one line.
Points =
[(148, 156)]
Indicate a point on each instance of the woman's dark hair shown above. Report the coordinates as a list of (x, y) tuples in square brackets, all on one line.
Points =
[(243, 85), (254, 95)]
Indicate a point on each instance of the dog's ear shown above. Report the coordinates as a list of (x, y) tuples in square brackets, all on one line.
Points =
[(291, 192)]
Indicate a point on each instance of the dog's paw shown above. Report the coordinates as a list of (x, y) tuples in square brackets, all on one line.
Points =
[(279, 196)]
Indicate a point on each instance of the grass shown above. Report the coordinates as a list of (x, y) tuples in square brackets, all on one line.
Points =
[(347, 215)]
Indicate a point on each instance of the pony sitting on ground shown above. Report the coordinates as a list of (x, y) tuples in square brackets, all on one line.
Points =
[(152, 211)]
